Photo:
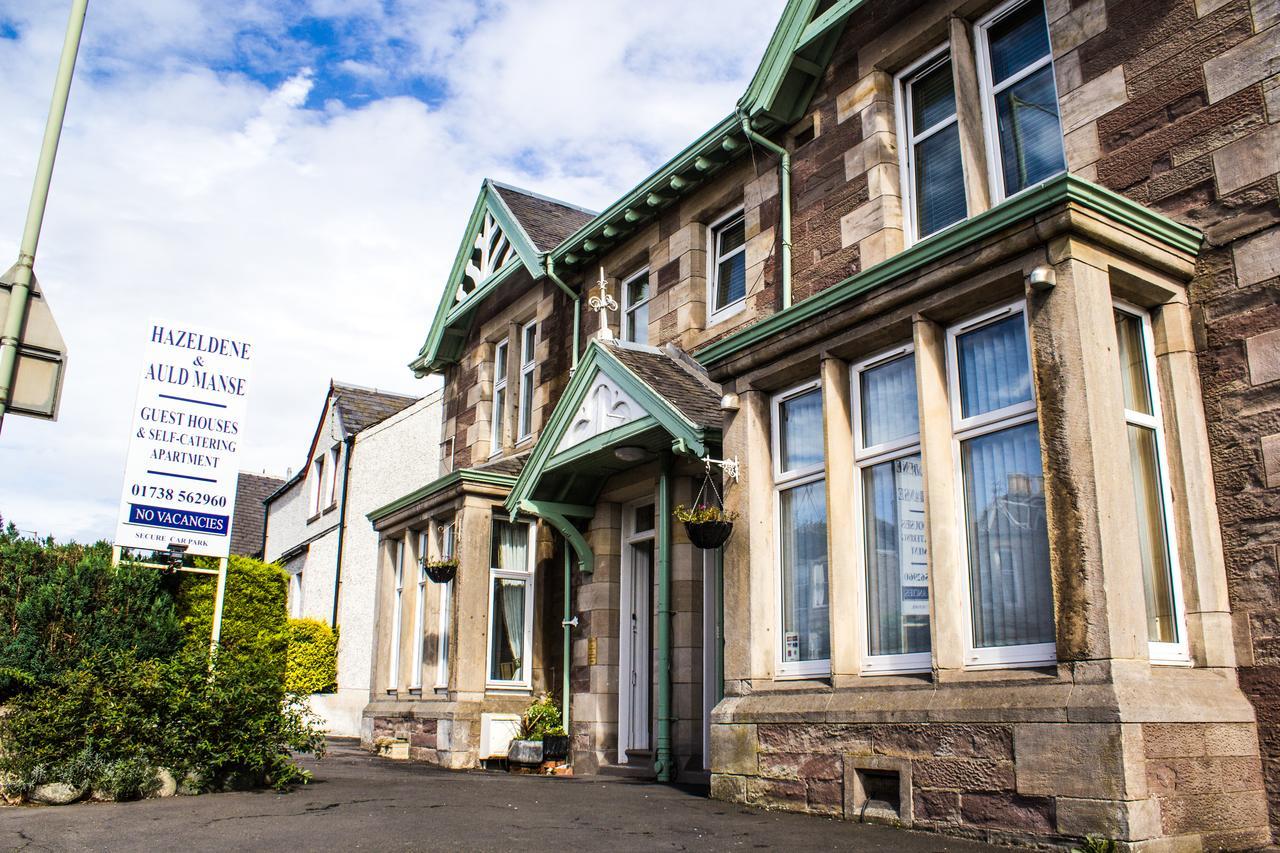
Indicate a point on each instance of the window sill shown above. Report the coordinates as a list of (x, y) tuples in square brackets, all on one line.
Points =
[(313, 518), (393, 692), (726, 313), (415, 691), (500, 687)]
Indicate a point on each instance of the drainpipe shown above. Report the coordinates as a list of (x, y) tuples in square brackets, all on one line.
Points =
[(568, 638), (350, 442), (20, 293), (784, 190), (665, 765), (577, 311)]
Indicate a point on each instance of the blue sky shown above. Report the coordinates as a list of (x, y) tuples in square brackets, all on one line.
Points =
[(300, 171)]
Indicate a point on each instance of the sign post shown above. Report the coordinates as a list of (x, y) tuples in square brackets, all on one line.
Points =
[(188, 425)]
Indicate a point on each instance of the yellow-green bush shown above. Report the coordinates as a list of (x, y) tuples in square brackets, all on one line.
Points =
[(313, 657)]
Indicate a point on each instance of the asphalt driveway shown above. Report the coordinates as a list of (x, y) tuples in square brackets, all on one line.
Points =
[(358, 802)]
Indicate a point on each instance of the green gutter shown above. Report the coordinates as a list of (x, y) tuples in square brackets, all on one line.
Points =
[(665, 765), (784, 190), (462, 475), (1053, 193), (11, 334)]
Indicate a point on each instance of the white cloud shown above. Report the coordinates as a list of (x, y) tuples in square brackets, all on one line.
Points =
[(186, 188)]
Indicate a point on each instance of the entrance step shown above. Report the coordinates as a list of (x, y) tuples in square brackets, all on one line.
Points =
[(628, 771)]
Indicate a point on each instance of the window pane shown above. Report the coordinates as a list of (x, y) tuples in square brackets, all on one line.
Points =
[(506, 653), (530, 343), (643, 518), (500, 363), (638, 324), (509, 548), (526, 404), (940, 198), (1030, 136), (731, 280), (805, 606), (994, 368), (1009, 581), (800, 431), (1157, 580), (1018, 40), (638, 289), (731, 236), (896, 557), (1132, 353), (499, 412), (888, 399), (933, 98)]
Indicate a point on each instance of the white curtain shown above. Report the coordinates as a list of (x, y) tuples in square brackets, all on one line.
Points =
[(513, 616)]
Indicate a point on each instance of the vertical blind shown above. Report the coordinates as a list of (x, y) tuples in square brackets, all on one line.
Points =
[(731, 278), (887, 398), (805, 598), (939, 175), (994, 369), (800, 431)]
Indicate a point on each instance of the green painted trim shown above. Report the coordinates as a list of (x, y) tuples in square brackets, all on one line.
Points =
[(665, 763), (777, 54), (513, 231), (599, 442), (462, 475), (1056, 192), (826, 22), (547, 512), (598, 359)]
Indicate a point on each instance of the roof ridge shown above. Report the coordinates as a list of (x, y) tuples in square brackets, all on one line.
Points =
[(351, 386), (542, 197)]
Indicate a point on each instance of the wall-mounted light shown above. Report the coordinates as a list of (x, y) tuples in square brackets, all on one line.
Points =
[(1042, 278), (630, 453), (729, 402)]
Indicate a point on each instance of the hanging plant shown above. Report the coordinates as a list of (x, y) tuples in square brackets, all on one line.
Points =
[(708, 526), (441, 571)]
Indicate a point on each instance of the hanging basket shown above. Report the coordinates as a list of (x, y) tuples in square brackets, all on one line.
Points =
[(441, 571), (708, 534)]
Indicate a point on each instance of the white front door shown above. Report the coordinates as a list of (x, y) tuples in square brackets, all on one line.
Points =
[(635, 649)]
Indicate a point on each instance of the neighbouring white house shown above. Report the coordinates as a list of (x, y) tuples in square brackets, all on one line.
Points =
[(368, 448)]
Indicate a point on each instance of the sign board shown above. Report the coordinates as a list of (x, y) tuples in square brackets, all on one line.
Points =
[(188, 427), (42, 355), (912, 554)]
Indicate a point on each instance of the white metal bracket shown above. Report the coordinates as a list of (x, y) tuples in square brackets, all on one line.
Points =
[(729, 466)]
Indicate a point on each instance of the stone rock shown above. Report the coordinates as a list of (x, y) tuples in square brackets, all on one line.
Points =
[(168, 786), (56, 794), (525, 752)]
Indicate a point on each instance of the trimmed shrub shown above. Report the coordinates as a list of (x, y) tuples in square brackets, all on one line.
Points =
[(254, 619), (62, 603), (312, 665)]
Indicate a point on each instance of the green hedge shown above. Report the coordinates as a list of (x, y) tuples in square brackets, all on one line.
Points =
[(313, 657), (254, 618)]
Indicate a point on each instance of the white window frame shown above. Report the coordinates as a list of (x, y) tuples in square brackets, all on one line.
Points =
[(962, 430), (447, 531), (295, 595), (333, 474), (631, 536), (316, 495), (528, 364), (714, 314), (526, 683), (1179, 653), (991, 133), (785, 480), (419, 615), (906, 149), (868, 457), (497, 420), (628, 308), (397, 577)]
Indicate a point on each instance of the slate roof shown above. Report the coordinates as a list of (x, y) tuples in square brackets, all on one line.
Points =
[(248, 526), (512, 465), (547, 221), (694, 396), (361, 408)]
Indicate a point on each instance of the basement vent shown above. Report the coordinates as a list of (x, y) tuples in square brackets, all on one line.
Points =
[(878, 791)]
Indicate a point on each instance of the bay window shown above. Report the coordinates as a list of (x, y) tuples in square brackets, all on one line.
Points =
[(528, 364), (499, 397), (635, 308), (804, 639), (1009, 590), (1020, 97), (1152, 498), (728, 279), (932, 173), (890, 481), (510, 603)]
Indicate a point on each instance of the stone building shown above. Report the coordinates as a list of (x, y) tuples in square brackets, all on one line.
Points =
[(970, 309), (368, 445)]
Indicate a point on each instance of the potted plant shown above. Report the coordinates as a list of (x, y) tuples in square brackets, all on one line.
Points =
[(441, 571), (708, 526), (541, 736)]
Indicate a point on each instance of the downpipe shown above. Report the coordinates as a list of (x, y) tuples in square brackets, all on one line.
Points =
[(784, 190), (577, 309)]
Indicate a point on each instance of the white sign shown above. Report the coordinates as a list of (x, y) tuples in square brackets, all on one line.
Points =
[(913, 558), (188, 426)]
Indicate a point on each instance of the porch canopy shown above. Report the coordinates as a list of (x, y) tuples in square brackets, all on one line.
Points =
[(647, 400)]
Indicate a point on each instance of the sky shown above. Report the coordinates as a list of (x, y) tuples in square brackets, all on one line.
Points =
[(300, 172)]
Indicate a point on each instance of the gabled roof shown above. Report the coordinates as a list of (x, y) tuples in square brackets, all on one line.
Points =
[(360, 408), (655, 391), (248, 525), (507, 225)]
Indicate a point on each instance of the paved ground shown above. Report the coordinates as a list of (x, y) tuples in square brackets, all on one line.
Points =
[(361, 803)]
